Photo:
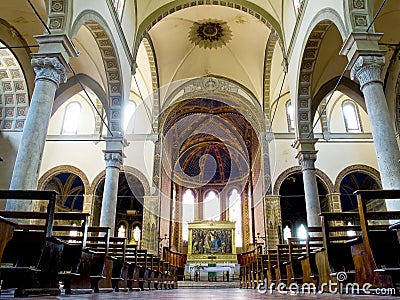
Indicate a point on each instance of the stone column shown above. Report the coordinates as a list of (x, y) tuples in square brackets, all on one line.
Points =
[(366, 61), (50, 65), (307, 156), (367, 70), (109, 205)]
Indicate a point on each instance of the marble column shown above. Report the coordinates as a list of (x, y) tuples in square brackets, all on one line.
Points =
[(109, 205), (50, 65), (367, 70), (49, 74), (307, 156)]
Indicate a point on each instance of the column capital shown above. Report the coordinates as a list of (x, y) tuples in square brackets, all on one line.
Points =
[(113, 159), (49, 68), (307, 159), (367, 70)]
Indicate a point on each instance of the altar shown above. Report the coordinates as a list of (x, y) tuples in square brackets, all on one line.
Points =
[(211, 250), (211, 242)]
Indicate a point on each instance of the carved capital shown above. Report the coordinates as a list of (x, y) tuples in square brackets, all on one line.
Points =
[(367, 70), (113, 159), (307, 159), (49, 68)]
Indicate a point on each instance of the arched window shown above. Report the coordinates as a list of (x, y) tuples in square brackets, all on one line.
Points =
[(287, 233), (302, 232), (290, 115), (72, 116), (129, 114), (187, 212), (350, 116), (211, 207), (136, 234), (119, 7), (121, 231), (235, 215)]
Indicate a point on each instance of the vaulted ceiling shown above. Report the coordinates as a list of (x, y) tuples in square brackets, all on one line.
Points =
[(211, 142)]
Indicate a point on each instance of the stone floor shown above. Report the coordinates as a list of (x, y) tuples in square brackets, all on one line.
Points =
[(204, 294)]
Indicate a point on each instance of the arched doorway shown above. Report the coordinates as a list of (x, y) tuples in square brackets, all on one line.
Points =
[(354, 181), (129, 218), (293, 205), (70, 188)]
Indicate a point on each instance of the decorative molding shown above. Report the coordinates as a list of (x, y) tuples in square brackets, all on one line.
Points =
[(145, 27), (49, 68), (269, 51), (102, 34), (113, 159), (309, 58), (14, 102), (210, 33), (367, 70)]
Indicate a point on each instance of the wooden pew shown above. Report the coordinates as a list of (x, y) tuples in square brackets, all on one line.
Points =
[(336, 256), (377, 252), (7, 231), (29, 247), (117, 250), (101, 268), (75, 260), (312, 245), (133, 268)]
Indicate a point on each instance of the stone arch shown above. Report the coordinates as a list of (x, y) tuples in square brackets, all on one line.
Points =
[(225, 89), (316, 32), (140, 176), (168, 9), (346, 86), (126, 169), (325, 180), (148, 44), (64, 169), (269, 51), (357, 168), (72, 87), (51, 174), (100, 31)]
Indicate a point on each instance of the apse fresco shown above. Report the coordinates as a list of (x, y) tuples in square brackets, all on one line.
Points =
[(209, 241)]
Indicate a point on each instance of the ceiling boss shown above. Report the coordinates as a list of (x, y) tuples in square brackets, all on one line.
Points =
[(210, 33)]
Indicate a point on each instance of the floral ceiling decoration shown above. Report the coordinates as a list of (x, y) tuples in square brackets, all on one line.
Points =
[(210, 33)]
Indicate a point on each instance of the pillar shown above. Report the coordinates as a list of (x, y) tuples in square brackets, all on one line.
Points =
[(366, 62), (307, 156), (273, 222), (50, 65), (367, 70), (150, 220), (113, 155)]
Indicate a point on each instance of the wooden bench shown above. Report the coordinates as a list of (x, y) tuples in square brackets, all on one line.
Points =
[(377, 252), (336, 255), (7, 231), (30, 260), (133, 268), (308, 261)]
